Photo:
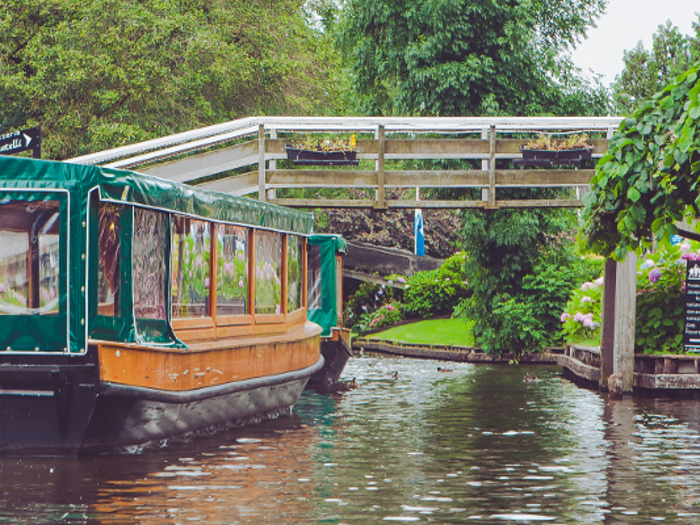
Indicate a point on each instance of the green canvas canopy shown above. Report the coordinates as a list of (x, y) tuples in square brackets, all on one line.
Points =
[(323, 282), (49, 245)]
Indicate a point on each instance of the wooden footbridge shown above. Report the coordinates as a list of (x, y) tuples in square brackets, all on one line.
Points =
[(241, 157)]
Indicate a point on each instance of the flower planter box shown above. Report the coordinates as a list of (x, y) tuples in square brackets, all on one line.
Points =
[(305, 157), (543, 157)]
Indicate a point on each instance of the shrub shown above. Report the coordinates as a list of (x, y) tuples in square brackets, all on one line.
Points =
[(366, 301), (387, 315), (437, 292)]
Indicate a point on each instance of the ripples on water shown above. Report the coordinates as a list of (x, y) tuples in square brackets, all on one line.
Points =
[(476, 444)]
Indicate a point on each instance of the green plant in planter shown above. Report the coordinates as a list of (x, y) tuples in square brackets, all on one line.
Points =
[(316, 144), (268, 288), (547, 142), (232, 276)]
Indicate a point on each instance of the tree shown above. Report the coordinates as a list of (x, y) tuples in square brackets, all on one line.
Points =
[(97, 74), (648, 179), (647, 72), (461, 57)]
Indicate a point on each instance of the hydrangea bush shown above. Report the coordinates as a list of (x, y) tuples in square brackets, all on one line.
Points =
[(660, 302)]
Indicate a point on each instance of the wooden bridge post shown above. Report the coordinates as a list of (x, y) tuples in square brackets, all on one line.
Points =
[(272, 193), (619, 316), (261, 163), (484, 165), (380, 195), (492, 167)]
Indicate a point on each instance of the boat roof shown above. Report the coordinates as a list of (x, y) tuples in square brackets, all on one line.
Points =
[(129, 187)]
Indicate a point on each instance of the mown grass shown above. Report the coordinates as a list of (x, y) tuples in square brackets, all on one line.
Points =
[(431, 332)]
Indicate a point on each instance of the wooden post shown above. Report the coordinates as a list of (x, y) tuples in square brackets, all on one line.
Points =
[(625, 317), (381, 197), (492, 167), (261, 163), (484, 166), (607, 340), (272, 193)]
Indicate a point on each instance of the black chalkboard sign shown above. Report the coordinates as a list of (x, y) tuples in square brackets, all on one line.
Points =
[(23, 140), (691, 330)]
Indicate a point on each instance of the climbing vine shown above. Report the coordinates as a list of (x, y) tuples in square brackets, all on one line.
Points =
[(648, 179)]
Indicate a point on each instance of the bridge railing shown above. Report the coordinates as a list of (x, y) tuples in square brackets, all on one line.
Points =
[(216, 157)]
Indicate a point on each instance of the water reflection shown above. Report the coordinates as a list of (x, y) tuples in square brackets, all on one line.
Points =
[(475, 444)]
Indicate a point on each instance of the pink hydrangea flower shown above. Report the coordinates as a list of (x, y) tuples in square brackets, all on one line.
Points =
[(685, 246), (654, 275), (389, 307), (688, 256), (586, 286), (586, 299), (565, 316), (578, 317), (599, 281), (587, 322)]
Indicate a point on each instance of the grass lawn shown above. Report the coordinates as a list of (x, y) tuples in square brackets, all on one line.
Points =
[(432, 331)]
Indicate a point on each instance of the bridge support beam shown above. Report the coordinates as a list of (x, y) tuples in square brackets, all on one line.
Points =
[(619, 316)]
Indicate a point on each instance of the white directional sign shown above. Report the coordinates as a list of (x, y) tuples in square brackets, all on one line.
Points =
[(16, 141)]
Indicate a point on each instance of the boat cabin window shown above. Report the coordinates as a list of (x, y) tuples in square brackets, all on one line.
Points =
[(232, 270), (29, 257), (294, 272), (268, 272), (109, 255), (149, 248), (191, 265), (314, 277)]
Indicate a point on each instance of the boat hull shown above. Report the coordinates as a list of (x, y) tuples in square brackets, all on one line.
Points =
[(336, 352), (126, 416), (68, 406)]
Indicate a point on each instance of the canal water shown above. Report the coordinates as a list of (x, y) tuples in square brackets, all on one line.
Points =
[(475, 444)]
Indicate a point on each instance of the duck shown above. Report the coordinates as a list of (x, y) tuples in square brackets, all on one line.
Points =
[(353, 384), (444, 369), (529, 378), (395, 376)]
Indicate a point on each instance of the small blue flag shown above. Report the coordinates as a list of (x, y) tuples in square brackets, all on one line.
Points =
[(418, 232)]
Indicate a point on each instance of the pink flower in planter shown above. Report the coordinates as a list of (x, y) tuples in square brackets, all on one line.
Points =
[(240, 283)]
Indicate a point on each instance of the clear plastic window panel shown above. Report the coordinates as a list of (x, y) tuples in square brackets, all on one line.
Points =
[(29, 258), (268, 272), (314, 277), (232, 271), (150, 238), (191, 258), (294, 272), (109, 248)]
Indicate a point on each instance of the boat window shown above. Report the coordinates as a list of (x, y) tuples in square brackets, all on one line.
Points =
[(191, 256), (29, 258), (109, 257), (232, 271), (314, 277), (268, 272), (149, 246), (294, 271)]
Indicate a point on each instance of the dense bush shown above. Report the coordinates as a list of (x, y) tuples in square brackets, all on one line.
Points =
[(386, 315), (437, 292), (660, 302), (364, 303)]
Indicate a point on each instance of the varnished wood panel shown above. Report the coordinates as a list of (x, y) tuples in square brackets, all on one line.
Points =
[(210, 363)]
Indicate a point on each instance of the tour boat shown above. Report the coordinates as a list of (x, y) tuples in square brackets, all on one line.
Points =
[(325, 305), (135, 309)]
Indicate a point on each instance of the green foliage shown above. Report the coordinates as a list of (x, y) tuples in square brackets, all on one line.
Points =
[(661, 300), (362, 305), (581, 320), (453, 57), (96, 74), (521, 270), (386, 315), (647, 72), (648, 179), (437, 292)]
